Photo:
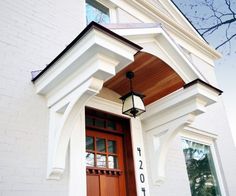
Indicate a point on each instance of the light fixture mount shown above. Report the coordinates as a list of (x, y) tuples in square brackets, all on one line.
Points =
[(133, 104), (130, 75)]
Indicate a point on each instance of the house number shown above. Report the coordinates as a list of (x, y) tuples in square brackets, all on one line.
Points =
[(141, 175)]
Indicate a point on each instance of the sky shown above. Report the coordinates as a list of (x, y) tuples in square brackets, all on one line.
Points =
[(226, 66)]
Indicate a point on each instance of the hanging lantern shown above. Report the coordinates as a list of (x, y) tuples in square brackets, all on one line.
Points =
[(132, 102)]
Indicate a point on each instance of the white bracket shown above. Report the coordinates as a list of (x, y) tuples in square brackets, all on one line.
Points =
[(168, 116)]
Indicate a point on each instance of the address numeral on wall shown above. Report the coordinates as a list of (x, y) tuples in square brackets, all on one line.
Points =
[(141, 175)]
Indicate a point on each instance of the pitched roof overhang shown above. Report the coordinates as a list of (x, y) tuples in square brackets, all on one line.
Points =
[(90, 27)]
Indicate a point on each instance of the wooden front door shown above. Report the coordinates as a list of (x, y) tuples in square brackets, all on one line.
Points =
[(105, 164), (109, 155)]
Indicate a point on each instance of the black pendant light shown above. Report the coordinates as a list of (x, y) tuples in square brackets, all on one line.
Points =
[(133, 104)]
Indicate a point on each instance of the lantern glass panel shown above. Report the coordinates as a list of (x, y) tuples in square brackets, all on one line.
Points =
[(138, 103), (128, 103)]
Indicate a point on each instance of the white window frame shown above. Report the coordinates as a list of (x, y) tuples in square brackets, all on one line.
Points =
[(111, 7), (209, 139)]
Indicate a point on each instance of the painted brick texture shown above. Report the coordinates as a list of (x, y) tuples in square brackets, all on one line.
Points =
[(32, 33)]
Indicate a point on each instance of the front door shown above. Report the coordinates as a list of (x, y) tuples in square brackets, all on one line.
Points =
[(109, 155), (105, 164)]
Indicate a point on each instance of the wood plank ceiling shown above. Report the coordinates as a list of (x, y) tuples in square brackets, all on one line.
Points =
[(153, 78)]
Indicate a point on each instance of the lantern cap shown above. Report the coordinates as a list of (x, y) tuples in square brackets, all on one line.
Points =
[(132, 93)]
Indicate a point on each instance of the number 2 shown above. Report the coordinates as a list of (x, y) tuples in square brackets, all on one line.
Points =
[(141, 164)]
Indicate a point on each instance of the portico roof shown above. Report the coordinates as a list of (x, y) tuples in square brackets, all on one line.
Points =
[(92, 25), (154, 77), (99, 58)]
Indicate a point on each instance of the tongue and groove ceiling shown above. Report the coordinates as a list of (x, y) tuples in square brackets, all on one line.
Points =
[(153, 78)]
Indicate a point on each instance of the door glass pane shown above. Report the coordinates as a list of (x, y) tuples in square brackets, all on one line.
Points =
[(100, 123), (90, 159), (111, 125), (89, 121), (200, 167), (112, 146), (112, 162), (101, 160), (101, 145), (89, 143)]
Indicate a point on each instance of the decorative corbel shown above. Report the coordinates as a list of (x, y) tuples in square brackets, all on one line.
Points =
[(159, 140), (63, 122), (168, 116)]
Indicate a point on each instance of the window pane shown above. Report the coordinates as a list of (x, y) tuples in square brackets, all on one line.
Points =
[(101, 145), (112, 162), (112, 146), (111, 125), (90, 159), (89, 121), (101, 160), (96, 12), (201, 169), (100, 123), (89, 143)]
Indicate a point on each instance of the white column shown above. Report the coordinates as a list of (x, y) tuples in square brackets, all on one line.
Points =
[(139, 158), (77, 181)]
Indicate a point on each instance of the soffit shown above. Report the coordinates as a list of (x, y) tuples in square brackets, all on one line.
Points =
[(153, 78)]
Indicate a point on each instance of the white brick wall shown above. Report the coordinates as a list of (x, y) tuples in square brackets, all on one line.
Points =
[(32, 33)]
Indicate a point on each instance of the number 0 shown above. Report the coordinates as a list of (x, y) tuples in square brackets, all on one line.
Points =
[(142, 178)]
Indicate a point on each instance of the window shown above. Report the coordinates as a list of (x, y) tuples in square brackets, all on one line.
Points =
[(96, 12), (101, 153), (201, 169)]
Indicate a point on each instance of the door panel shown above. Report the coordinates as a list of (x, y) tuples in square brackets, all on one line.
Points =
[(105, 164), (109, 185), (93, 181)]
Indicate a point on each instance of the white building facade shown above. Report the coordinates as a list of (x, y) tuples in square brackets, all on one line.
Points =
[(61, 122)]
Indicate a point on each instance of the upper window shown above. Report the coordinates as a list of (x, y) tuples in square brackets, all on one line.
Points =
[(201, 169), (96, 12)]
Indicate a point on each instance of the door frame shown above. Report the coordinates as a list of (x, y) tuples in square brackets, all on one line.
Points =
[(125, 132)]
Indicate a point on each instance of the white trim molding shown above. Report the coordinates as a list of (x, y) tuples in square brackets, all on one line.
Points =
[(165, 118)]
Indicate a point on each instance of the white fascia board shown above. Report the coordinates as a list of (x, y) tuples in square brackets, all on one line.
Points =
[(191, 100), (180, 63), (175, 13), (149, 31), (75, 59), (98, 66)]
